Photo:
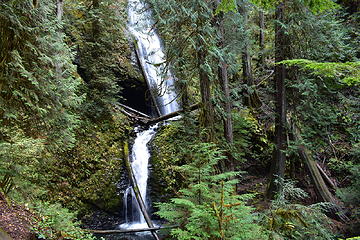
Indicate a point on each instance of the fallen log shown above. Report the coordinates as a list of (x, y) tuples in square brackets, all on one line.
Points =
[(131, 115), (129, 230), (137, 192), (326, 177), (120, 105), (320, 186), (173, 114)]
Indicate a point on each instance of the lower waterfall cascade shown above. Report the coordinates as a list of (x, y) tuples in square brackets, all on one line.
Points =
[(140, 156)]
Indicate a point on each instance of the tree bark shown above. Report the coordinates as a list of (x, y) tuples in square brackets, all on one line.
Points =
[(171, 115), (207, 120), (224, 83), (59, 9), (261, 39), (183, 86), (317, 177), (252, 99), (326, 177), (278, 163), (59, 15)]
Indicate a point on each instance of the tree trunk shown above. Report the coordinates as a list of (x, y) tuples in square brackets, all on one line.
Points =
[(224, 83), (207, 116), (183, 86), (95, 23), (278, 163), (321, 188), (59, 9), (252, 99), (59, 15), (171, 115), (261, 39)]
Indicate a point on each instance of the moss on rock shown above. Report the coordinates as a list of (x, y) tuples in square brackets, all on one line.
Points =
[(165, 156), (86, 177)]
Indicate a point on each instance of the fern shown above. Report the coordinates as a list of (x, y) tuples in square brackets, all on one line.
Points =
[(208, 208)]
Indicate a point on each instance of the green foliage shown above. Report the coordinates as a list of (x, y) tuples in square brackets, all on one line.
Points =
[(353, 238), (348, 72), (44, 155), (165, 156), (316, 6), (103, 55), (34, 95), (322, 92), (188, 27), (87, 175), (250, 141), (56, 222), (351, 194), (208, 208), (17, 154), (287, 220), (226, 6)]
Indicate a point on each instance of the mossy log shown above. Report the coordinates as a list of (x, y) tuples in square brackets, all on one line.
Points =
[(321, 188), (137, 192), (326, 177)]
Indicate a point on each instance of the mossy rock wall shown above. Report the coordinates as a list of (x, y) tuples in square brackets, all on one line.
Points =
[(164, 180), (86, 178)]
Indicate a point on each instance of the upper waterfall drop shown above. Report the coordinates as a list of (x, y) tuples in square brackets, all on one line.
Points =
[(152, 57)]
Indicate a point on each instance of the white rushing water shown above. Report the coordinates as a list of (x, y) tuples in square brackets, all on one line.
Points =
[(140, 156), (152, 58)]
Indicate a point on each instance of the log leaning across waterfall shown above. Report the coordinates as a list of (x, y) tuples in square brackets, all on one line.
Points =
[(173, 114), (142, 67), (145, 119), (137, 192)]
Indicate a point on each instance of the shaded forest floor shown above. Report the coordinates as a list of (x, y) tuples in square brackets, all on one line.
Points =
[(16, 220)]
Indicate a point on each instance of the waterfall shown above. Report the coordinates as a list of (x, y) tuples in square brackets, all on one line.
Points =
[(161, 83), (140, 156), (152, 57)]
